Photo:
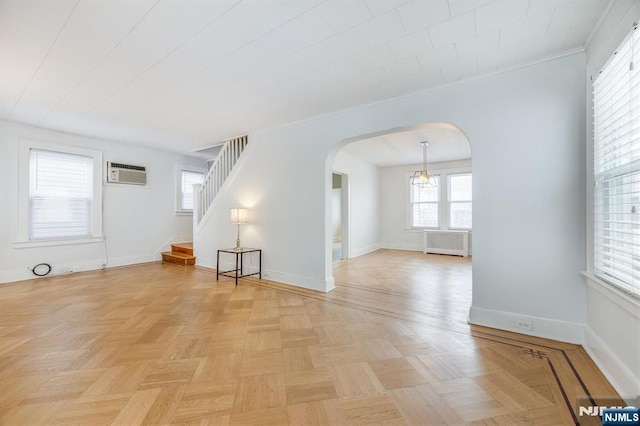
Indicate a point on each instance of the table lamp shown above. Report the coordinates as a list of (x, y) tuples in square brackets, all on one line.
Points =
[(238, 216)]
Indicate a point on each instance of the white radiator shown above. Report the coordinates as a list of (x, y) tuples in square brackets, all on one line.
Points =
[(446, 242)]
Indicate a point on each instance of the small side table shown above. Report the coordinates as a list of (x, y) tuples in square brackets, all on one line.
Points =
[(238, 271)]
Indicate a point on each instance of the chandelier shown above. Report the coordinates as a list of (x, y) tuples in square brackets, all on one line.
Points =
[(421, 178)]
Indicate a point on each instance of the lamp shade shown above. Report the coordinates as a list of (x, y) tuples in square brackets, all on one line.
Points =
[(421, 178), (239, 215)]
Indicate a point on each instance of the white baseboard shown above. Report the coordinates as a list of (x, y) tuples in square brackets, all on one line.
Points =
[(364, 250), (166, 246), (130, 260), (407, 247), (14, 275), (299, 280), (57, 269), (330, 285), (625, 382), (72, 267), (302, 281), (247, 268), (564, 331), (202, 261)]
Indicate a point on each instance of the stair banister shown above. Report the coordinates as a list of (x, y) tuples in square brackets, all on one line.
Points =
[(218, 173)]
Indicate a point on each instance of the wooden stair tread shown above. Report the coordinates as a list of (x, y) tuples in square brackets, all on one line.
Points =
[(182, 248), (184, 245), (184, 261), (178, 254)]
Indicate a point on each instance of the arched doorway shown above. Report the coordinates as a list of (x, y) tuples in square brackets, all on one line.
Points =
[(387, 212), (392, 156)]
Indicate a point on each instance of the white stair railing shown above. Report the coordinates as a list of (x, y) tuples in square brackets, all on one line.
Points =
[(221, 168)]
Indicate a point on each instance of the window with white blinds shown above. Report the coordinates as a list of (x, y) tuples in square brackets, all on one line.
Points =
[(424, 204), (60, 195), (616, 118), (460, 201), (188, 179)]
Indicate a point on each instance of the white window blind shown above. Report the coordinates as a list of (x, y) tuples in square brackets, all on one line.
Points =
[(460, 207), (60, 195), (616, 118), (188, 180), (424, 205)]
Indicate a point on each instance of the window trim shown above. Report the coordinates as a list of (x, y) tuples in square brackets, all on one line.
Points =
[(23, 239), (443, 170), (592, 199), (179, 169)]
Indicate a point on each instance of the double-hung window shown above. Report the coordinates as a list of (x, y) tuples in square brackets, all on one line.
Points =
[(424, 205), (187, 180), (60, 193), (616, 118), (460, 201)]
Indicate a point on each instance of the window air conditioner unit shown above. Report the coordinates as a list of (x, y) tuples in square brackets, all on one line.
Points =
[(126, 173)]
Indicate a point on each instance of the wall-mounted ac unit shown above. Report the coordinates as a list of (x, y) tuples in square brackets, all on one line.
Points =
[(446, 242), (126, 173)]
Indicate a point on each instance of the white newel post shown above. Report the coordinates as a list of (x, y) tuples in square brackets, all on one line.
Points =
[(197, 206)]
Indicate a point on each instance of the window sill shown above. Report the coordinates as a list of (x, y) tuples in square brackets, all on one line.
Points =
[(626, 301), (55, 243), (184, 213)]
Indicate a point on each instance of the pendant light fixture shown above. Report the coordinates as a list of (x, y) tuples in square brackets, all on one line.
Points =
[(421, 178)]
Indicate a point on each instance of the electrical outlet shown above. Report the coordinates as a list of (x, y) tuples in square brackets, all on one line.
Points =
[(525, 325)]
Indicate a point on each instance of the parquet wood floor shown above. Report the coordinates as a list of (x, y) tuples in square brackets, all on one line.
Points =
[(163, 344)]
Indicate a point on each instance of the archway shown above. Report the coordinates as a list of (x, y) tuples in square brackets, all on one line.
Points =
[(382, 164)]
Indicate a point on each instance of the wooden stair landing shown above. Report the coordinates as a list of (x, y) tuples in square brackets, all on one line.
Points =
[(180, 254)]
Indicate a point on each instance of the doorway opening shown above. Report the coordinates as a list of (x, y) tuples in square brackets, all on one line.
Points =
[(339, 216), (409, 223)]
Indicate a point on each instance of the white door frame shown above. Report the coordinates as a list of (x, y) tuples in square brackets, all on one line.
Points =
[(346, 212)]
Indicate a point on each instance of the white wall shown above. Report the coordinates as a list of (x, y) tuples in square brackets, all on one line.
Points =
[(336, 214), (286, 211), (363, 203), (613, 319), (526, 129), (139, 221), (395, 230)]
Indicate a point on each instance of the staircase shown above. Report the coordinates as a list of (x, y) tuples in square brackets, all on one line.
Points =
[(180, 254), (218, 173)]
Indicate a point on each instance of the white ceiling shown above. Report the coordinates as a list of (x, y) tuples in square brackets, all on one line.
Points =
[(182, 75), (446, 143)]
